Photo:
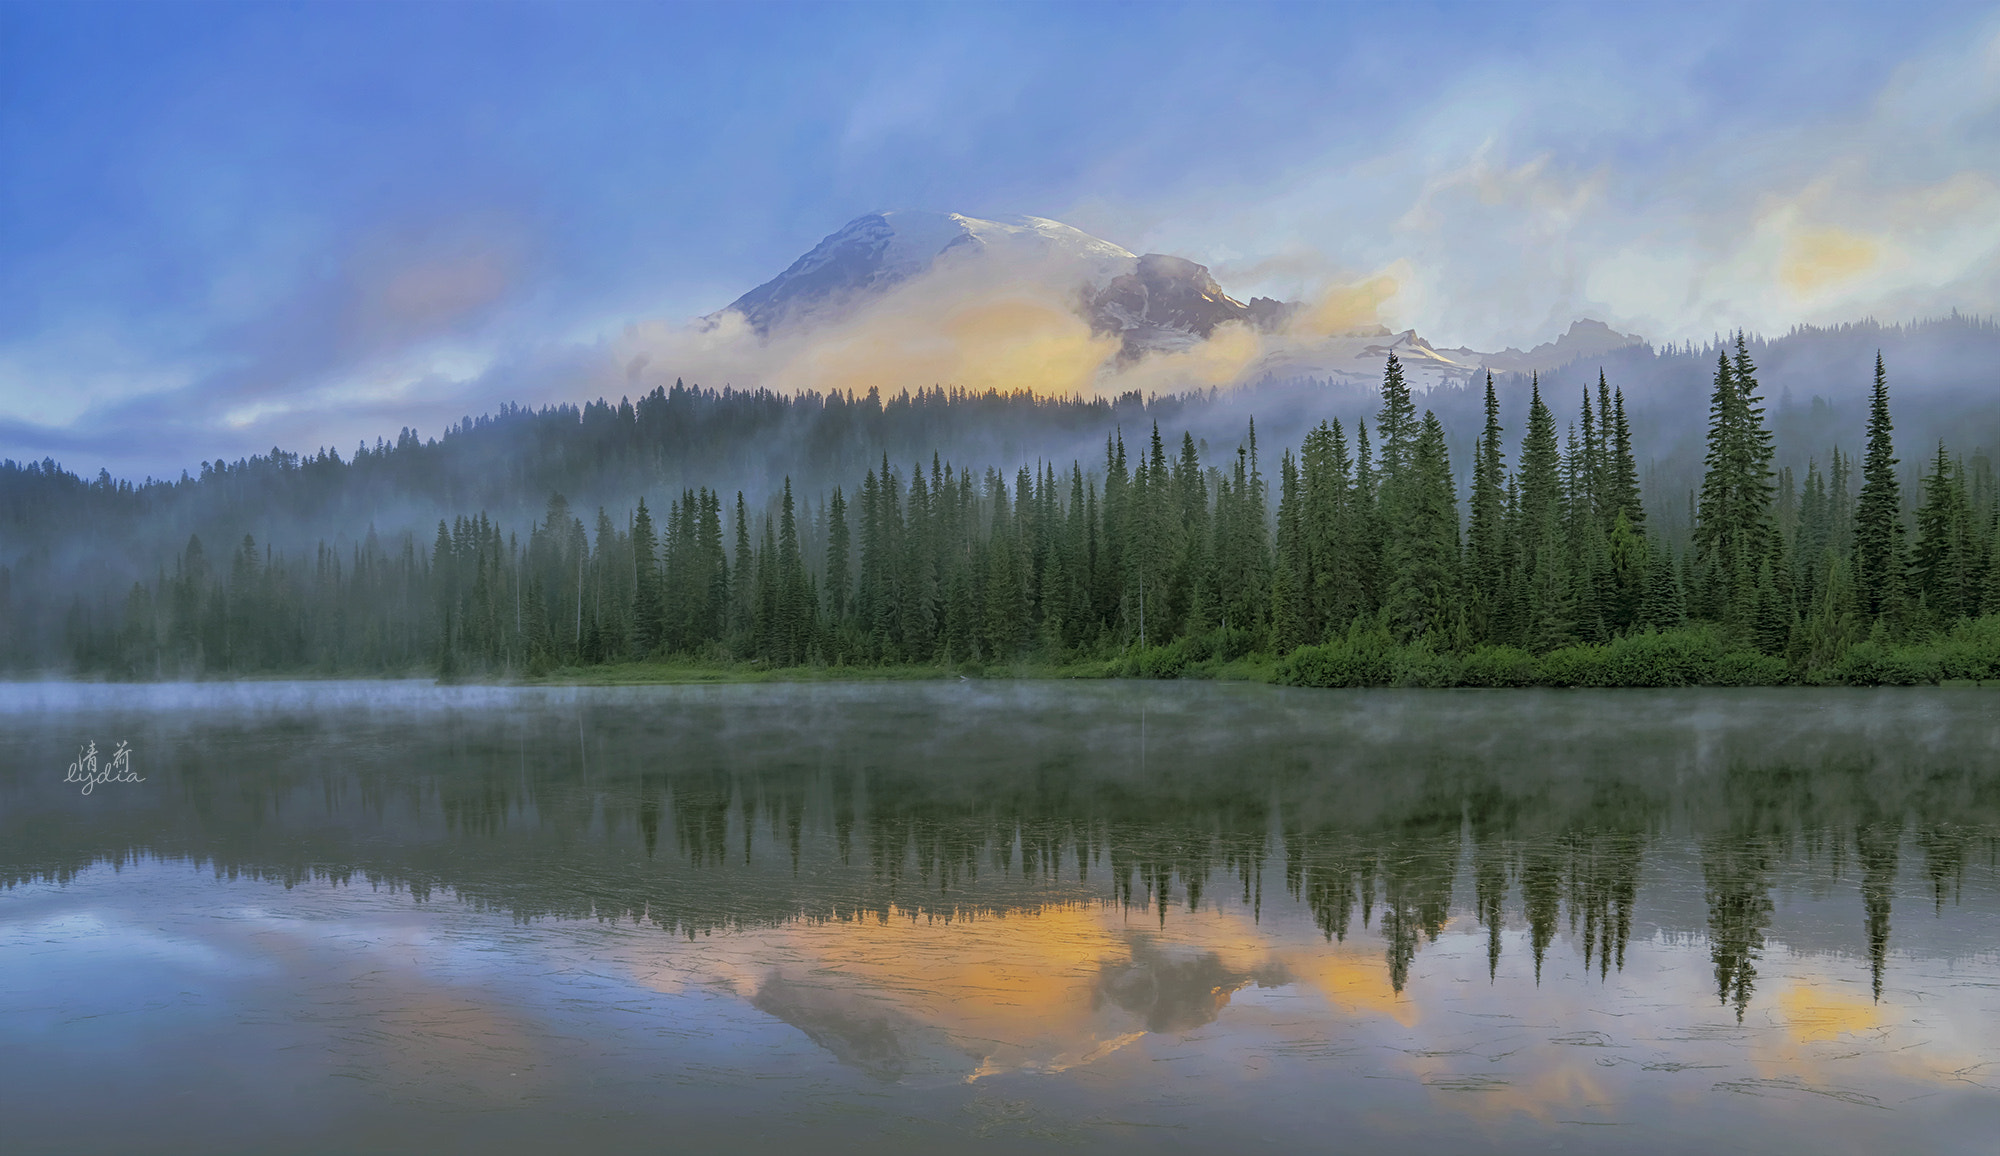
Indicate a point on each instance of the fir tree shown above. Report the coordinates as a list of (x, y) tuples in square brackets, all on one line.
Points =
[(1423, 547), (646, 608), (1944, 558), (1486, 542), (1878, 515), (743, 605), (1622, 485), (1662, 607), (837, 552), (1733, 521), (1550, 596), (1288, 596)]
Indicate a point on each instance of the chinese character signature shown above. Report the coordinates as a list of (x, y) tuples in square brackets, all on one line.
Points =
[(86, 770)]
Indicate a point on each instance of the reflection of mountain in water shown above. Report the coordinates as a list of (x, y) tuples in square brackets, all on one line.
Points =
[(712, 810), (1172, 994)]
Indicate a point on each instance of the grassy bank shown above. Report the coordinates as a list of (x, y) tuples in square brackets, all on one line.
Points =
[(1695, 656), (1248, 669)]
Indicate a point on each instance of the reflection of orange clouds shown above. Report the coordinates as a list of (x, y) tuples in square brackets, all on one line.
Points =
[(438, 1045), (1560, 1089), (1354, 979), (1044, 991), (1005, 992), (1066, 987), (1813, 1051), (1815, 1012)]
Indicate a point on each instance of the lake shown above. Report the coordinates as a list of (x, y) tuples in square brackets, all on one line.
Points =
[(997, 917)]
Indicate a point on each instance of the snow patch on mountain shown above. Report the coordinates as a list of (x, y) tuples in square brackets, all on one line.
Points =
[(872, 253)]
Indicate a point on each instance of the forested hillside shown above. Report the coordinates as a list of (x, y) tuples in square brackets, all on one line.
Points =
[(1351, 556)]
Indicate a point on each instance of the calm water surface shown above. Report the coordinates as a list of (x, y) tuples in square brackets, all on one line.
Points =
[(999, 917)]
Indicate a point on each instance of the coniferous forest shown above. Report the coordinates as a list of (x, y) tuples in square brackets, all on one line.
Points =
[(1349, 560)]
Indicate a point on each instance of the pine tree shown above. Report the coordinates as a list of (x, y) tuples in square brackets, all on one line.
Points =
[(1662, 607), (1587, 489), (1194, 574), (1003, 601), (1549, 594), (646, 607), (1771, 621), (1814, 538), (1423, 546), (1630, 571), (1321, 560), (837, 553), (1878, 515), (1733, 524), (1364, 528), (1289, 628), (1396, 425), (794, 610), (1487, 547), (1944, 556), (1830, 624), (917, 606), (1622, 485), (1990, 592), (741, 582)]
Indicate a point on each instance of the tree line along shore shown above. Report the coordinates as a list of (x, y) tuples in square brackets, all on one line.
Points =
[(1357, 564)]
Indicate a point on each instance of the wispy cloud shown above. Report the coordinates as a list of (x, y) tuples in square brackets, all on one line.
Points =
[(270, 233)]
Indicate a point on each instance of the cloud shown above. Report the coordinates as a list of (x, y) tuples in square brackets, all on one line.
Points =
[(1346, 308), (1542, 178), (1518, 199), (990, 321), (1826, 257), (409, 325)]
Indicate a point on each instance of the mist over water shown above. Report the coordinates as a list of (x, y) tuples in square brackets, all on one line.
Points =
[(1009, 917)]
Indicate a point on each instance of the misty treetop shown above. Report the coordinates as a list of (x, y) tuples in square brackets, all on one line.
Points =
[(1151, 559)]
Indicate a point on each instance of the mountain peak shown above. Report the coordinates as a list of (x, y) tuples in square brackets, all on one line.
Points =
[(875, 251)]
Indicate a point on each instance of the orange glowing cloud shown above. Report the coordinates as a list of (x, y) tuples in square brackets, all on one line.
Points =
[(1345, 308), (1817, 259)]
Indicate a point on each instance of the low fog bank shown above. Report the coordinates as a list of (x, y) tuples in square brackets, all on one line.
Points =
[(65, 540)]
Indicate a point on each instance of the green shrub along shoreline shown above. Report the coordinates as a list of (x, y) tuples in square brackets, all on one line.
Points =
[(1690, 657), (1693, 656)]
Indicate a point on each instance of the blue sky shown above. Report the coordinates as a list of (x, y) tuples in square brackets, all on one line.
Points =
[(228, 227)]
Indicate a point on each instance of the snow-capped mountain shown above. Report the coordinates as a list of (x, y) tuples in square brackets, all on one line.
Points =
[(871, 254), (1359, 356), (1150, 302), (1153, 303)]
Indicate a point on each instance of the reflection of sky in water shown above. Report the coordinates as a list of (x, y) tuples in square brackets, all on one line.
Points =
[(160, 1006)]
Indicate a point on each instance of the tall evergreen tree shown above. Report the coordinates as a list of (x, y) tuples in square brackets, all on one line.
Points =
[(838, 575), (1622, 486), (1538, 516), (1878, 515), (1487, 547), (1423, 548), (646, 607), (1733, 523), (1945, 569)]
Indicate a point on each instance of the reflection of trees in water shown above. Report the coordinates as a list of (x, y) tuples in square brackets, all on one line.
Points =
[(1603, 885), (727, 838), (1944, 846), (1735, 874), (1877, 845)]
